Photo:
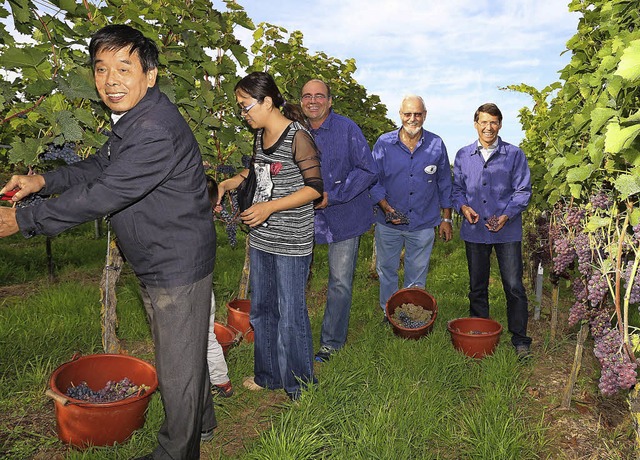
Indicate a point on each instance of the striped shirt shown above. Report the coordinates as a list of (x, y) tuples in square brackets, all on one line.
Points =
[(288, 232)]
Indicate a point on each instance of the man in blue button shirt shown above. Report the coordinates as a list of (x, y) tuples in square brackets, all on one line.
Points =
[(345, 211), (413, 188), (492, 188)]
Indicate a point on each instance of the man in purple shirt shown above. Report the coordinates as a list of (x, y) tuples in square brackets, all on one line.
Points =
[(491, 189), (345, 211), (413, 188)]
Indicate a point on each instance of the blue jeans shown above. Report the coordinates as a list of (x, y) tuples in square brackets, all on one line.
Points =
[(417, 252), (283, 346), (342, 264), (509, 257)]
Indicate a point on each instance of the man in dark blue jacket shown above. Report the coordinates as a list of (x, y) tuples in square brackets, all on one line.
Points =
[(149, 179)]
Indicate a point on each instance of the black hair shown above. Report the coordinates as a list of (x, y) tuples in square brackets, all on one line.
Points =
[(259, 85), (118, 36), (212, 189), (326, 85), (489, 108)]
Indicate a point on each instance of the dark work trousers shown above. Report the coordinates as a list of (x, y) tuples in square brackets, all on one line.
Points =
[(179, 319), (509, 257)]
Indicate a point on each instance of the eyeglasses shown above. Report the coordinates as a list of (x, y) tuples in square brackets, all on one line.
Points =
[(415, 114), (484, 124), (318, 97), (242, 111)]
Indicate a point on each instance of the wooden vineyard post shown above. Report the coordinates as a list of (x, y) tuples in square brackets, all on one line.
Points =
[(634, 409), (555, 294), (109, 317), (243, 289), (577, 363), (372, 267), (50, 264), (538, 286)]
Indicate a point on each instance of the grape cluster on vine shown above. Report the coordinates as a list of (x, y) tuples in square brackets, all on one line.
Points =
[(600, 200), (65, 153), (226, 169), (565, 254), (597, 288), (231, 218)]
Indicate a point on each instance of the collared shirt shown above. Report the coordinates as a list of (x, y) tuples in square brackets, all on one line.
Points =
[(417, 184), (348, 171), (486, 152), (500, 185)]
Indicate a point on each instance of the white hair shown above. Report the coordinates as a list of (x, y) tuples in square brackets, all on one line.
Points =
[(413, 96)]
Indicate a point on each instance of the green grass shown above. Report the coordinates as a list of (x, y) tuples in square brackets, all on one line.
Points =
[(381, 397)]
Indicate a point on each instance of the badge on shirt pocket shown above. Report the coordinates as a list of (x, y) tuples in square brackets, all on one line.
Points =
[(431, 169)]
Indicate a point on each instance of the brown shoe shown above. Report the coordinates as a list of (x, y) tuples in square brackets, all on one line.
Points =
[(250, 384)]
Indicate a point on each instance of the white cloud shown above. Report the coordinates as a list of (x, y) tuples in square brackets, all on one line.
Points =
[(456, 54)]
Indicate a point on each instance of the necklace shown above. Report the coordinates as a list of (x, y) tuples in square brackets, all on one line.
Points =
[(409, 141)]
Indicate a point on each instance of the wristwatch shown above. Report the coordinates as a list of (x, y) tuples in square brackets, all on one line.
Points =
[(447, 220)]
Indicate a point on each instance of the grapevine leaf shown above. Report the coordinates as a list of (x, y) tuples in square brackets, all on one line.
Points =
[(575, 189), (599, 117), (579, 174), (618, 138), (78, 84), (596, 222), (629, 67), (627, 185), (71, 129), (27, 151), (40, 87), (16, 58)]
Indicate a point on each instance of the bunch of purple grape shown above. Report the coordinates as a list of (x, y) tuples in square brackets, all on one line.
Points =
[(396, 215), (600, 200), (573, 217), (230, 217), (618, 372), (407, 322), (31, 200), (634, 295), (577, 313), (112, 391), (493, 222), (565, 254), (226, 169), (584, 253), (597, 287), (65, 153)]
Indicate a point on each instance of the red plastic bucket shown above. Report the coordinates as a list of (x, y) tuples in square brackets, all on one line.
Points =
[(475, 337), (238, 317), (226, 336), (416, 296), (83, 424)]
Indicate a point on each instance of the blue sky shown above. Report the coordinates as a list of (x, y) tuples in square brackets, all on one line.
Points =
[(456, 54)]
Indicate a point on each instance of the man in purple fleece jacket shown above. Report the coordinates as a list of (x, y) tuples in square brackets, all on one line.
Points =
[(345, 211)]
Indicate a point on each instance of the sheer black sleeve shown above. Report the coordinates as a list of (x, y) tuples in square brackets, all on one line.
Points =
[(305, 155)]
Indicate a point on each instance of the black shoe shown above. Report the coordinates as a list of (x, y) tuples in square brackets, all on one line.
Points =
[(206, 436), (524, 352), (324, 354)]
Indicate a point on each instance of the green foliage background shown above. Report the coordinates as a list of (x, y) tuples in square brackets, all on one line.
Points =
[(582, 133), (47, 93)]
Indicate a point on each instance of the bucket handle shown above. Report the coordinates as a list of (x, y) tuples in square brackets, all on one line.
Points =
[(57, 397)]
